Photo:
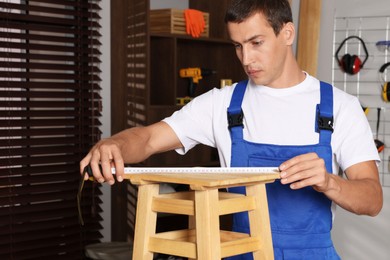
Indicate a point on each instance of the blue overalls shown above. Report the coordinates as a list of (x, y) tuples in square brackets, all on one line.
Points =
[(301, 220)]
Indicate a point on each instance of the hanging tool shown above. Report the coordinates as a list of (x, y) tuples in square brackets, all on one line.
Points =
[(366, 110), (378, 143)]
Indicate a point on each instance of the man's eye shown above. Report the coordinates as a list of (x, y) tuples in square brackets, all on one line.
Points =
[(257, 43), (237, 46)]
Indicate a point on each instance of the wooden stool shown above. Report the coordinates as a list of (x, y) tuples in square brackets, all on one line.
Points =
[(204, 204)]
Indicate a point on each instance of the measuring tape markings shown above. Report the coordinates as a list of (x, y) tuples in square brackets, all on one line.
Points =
[(200, 170)]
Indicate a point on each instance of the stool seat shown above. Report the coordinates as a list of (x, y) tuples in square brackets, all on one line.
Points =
[(204, 204)]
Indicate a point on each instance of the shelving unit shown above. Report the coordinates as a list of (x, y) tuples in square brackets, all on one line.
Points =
[(168, 54), (146, 83)]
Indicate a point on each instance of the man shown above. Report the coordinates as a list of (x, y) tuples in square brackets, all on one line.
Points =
[(281, 117)]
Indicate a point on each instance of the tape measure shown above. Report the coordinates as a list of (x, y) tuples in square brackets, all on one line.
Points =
[(199, 170)]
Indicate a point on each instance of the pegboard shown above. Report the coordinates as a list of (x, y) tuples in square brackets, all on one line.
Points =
[(366, 84)]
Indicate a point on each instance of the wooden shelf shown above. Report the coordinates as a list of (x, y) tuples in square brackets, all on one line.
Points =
[(190, 38)]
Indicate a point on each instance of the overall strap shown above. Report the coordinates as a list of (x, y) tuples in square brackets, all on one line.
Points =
[(324, 117), (235, 114)]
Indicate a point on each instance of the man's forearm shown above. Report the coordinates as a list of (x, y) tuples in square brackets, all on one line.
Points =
[(133, 144), (361, 196), (138, 143)]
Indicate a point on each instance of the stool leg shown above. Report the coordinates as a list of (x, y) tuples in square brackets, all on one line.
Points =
[(259, 221), (145, 225), (208, 240), (191, 225)]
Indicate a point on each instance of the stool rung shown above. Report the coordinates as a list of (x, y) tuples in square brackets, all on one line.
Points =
[(179, 243), (183, 203), (236, 204), (240, 246), (227, 236), (182, 235), (183, 243), (174, 206)]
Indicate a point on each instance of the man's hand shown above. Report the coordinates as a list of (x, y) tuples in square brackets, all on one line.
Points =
[(107, 154), (305, 170), (360, 193), (132, 145)]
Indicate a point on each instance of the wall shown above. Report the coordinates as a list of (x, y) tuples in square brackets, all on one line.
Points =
[(355, 237), (161, 4), (106, 112)]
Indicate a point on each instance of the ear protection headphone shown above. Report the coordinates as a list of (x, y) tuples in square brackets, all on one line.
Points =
[(351, 64), (385, 84)]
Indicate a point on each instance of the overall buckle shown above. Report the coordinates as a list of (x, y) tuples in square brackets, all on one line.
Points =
[(325, 123), (235, 119)]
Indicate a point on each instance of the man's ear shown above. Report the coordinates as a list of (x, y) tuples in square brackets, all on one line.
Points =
[(288, 33)]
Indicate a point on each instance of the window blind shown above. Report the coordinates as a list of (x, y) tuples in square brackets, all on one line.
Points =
[(49, 118)]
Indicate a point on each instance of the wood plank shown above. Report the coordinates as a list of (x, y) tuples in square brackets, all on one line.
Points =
[(241, 246), (174, 206), (181, 235), (172, 247), (309, 35), (229, 206)]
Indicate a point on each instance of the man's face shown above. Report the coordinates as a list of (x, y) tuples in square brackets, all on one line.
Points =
[(261, 52)]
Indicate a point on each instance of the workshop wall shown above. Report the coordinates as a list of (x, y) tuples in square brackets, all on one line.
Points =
[(159, 4), (360, 237)]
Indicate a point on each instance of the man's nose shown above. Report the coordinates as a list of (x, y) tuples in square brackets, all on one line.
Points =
[(246, 56)]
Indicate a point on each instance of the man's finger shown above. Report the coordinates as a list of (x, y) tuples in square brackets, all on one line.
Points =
[(118, 164)]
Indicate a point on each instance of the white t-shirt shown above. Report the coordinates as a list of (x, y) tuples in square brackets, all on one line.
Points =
[(276, 116)]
